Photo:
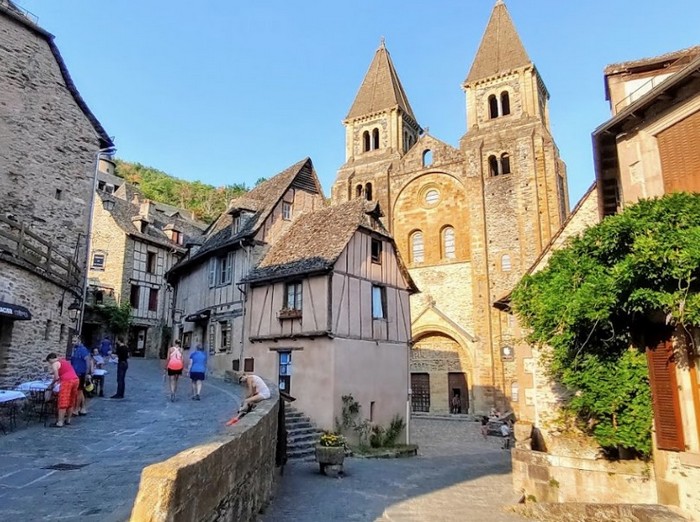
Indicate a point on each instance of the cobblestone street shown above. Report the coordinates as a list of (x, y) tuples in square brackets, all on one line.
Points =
[(457, 476), (112, 444)]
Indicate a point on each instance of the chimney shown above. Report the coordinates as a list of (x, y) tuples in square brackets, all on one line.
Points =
[(145, 210)]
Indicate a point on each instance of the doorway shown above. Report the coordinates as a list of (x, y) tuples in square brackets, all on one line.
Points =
[(420, 392), (137, 341), (457, 387)]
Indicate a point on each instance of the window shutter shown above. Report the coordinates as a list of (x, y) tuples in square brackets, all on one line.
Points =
[(679, 149), (664, 391)]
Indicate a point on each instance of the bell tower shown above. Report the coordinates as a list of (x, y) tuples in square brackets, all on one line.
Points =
[(379, 129)]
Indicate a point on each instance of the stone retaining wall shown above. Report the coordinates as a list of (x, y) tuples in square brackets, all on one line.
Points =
[(230, 478)]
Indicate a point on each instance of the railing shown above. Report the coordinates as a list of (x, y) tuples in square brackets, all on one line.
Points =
[(19, 243)]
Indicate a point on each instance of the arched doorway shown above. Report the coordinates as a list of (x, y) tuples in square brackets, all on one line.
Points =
[(440, 371)]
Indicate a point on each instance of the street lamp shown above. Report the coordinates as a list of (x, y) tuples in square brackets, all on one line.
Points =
[(74, 309), (108, 203)]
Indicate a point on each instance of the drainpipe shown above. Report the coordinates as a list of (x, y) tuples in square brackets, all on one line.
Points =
[(108, 151), (409, 392)]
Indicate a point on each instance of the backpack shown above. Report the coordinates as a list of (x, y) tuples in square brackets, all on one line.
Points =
[(175, 361)]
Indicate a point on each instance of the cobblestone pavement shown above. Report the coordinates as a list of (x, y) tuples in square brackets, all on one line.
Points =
[(114, 442), (456, 477)]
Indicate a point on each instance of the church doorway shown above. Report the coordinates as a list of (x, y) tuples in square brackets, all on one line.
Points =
[(458, 396)]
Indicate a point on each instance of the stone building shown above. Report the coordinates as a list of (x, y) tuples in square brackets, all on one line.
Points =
[(469, 220), (328, 315), (648, 148), (134, 242), (49, 143), (210, 303)]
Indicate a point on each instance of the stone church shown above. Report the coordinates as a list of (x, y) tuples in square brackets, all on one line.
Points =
[(470, 220)]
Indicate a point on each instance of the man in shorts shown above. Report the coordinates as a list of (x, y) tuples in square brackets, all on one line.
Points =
[(65, 376)]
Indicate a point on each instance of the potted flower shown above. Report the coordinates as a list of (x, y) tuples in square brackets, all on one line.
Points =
[(289, 313), (330, 452)]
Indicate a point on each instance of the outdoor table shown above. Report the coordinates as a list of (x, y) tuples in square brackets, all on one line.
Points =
[(37, 386), (8, 399), (40, 404)]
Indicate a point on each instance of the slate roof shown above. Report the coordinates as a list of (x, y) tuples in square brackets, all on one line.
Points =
[(125, 210), (381, 89), (501, 49), (689, 54), (12, 11), (256, 205), (315, 241)]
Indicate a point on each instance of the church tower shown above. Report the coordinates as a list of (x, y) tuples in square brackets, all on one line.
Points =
[(379, 129), (519, 182)]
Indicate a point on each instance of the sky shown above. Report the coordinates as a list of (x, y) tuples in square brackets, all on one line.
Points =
[(226, 91)]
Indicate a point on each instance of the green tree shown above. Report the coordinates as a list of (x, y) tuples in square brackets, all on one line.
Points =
[(594, 298)]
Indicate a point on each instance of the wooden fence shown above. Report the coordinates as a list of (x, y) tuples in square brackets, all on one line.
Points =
[(19, 243)]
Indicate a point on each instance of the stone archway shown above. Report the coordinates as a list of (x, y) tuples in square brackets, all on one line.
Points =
[(441, 367)]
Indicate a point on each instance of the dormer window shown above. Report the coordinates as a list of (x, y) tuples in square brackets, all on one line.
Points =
[(287, 204), (236, 224), (177, 237)]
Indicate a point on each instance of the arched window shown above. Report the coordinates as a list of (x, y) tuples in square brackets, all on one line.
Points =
[(368, 191), (493, 166), (448, 243), (375, 139), (427, 158), (358, 191), (505, 163), (417, 247), (365, 141), (514, 391), (505, 103), (505, 263), (493, 106)]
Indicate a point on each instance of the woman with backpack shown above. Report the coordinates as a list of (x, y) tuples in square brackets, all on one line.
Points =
[(174, 366)]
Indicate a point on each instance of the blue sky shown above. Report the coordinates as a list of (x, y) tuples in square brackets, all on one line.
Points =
[(228, 91)]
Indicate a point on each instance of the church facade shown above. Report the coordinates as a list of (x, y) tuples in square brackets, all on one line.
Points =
[(469, 221)]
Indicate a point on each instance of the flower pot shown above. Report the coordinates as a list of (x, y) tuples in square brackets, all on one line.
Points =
[(330, 458)]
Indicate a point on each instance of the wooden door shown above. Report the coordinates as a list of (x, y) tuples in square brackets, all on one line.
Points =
[(664, 391), (420, 392), (457, 387)]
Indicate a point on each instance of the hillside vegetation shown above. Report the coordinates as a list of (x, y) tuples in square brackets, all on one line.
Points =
[(205, 201)]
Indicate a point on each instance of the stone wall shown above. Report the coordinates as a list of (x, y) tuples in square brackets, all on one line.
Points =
[(230, 478)]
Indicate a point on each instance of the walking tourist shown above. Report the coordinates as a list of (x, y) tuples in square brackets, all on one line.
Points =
[(82, 364), (456, 404), (122, 367), (106, 347), (65, 376), (484, 426), (174, 367), (197, 370), (98, 377), (506, 431)]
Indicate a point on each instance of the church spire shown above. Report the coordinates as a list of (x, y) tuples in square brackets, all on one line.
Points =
[(381, 88), (501, 49)]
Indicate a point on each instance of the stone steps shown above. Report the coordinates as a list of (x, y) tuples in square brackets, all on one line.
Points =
[(302, 435)]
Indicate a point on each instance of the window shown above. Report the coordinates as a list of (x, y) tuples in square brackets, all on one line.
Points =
[(177, 237), (98, 261), (376, 251), (375, 139), (212, 272), (153, 300), (99, 297), (505, 104), (248, 364), (225, 339), (505, 163), (151, 262), (224, 265), (236, 224), (236, 365), (365, 141), (143, 226), (427, 158), (417, 247), (285, 371), (368, 191), (432, 196), (286, 211), (371, 411), (493, 107), (514, 391), (59, 194), (378, 302), (493, 166), (448, 243), (505, 263), (134, 296), (292, 298), (359, 191), (47, 330)]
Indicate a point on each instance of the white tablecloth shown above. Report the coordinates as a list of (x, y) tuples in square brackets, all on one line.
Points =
[(36, 386), (11, 395), (99, 372)]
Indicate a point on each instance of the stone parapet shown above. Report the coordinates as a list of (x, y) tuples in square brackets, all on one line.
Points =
[(229, 478)]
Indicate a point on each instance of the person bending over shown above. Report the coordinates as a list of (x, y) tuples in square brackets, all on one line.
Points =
[(256, 391)]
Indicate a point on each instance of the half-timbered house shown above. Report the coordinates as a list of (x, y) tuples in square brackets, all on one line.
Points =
[(328, 315), (209, 303)]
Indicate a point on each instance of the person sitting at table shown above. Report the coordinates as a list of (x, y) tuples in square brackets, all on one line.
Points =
[(63, 374)]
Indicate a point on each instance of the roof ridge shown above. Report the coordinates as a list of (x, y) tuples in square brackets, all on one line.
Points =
[(501, 49)]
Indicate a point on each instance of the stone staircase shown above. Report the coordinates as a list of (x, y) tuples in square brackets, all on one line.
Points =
[(302, 435)]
